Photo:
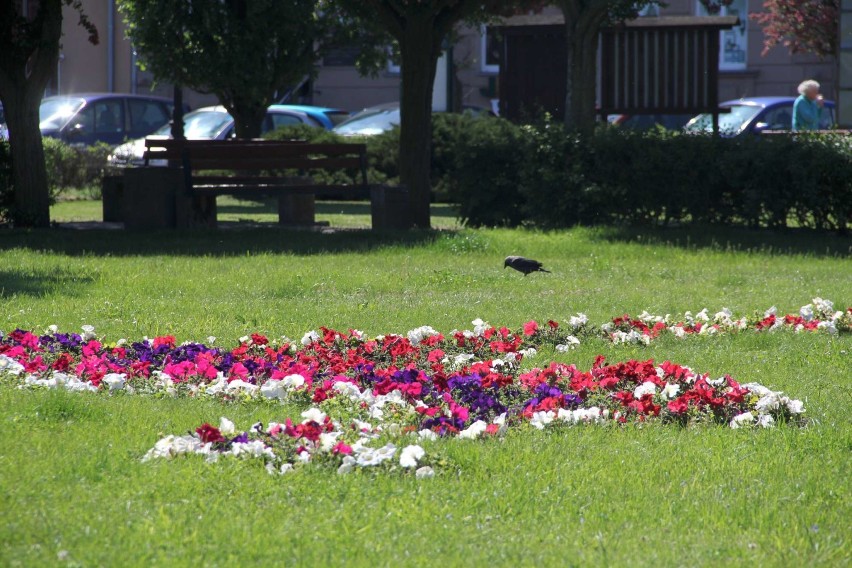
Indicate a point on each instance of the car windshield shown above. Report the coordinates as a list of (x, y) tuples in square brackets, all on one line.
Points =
[(200, 125), (54, 113), (729, 122), (370, 122)]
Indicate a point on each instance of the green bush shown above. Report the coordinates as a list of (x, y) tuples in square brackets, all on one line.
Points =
[(74, 167), (541, 175)]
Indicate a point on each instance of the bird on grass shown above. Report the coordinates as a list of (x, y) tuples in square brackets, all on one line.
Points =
[(525, 265)]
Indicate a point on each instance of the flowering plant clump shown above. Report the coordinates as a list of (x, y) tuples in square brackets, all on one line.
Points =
[(373, 401), (819, 315)]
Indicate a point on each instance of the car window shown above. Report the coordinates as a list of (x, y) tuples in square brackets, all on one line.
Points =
[(109, 116), (729, 122), (146, 116), (279, 120), (54, 113), (370, 122), (84, 121), (779, 118)]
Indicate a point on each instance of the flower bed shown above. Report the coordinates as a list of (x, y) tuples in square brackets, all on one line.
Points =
[(363, 396)]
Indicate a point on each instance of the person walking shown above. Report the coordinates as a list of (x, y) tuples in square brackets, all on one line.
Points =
[(808, 108)]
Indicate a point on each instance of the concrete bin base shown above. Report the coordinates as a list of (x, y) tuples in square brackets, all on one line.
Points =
[(154, 198), (112, 199), (389, 207)]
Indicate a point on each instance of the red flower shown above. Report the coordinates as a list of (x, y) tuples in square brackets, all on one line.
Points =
[(530, 328), (678, 406), (209, 434), (258, 339), (553, 325)]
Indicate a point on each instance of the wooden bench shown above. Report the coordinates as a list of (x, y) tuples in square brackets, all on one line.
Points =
[(280, 169)]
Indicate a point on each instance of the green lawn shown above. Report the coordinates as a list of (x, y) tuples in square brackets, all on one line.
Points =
[(70, 471)]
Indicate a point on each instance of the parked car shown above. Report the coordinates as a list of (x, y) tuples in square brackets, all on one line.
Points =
[(381, 118), (102, 117), (649, 121), (754, 115), (209, 123), (328, 118), (370, 121)]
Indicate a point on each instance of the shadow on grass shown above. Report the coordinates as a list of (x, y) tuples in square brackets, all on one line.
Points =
[(734, 239), (323, 208), (236, 241), (16, 282)]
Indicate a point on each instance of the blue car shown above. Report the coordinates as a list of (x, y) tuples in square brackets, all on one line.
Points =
[(753, 115), (326, 117)]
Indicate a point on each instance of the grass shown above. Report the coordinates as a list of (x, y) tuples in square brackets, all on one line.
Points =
[(342, 214), (73, 483)]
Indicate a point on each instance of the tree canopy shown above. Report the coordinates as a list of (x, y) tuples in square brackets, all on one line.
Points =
[(803, 26), (241, 51)]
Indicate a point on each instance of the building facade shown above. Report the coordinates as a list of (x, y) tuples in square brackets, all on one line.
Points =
[(467, 74)]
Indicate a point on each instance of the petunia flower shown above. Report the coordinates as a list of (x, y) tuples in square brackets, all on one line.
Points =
[(424, 472), (410, 455)]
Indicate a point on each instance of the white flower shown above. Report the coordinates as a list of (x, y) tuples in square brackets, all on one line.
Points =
[(115, 381), (645, 388), (679, 331), (52, 328), (480, 327), (245, 339), (171, 446), (570, 343), (424, 472), (770, 312), (253, 449), (541, 419), (417, 335), (578, 321), (88, 332), (410, 455), (427, 435), (807, 312), (702, 315), (724, 316), (309, 338), (347, 389), (347, 465), (238, 386), (756, 388), (313, 414), (529, 352), (765, 421), (769, 402), (795, 406), (717, 382), (272, 389), (744, 419), (670, 391), (9, 365), (211, 339), (292, 382), (473, 431), (328, 440), (226, 427)]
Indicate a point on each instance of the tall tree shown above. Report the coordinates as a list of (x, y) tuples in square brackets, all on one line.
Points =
[(803, 26), (29, 53), (420, 28), (583, 22), (241, 51)]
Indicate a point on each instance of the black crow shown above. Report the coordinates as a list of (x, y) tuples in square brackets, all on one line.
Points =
[(525, 265)]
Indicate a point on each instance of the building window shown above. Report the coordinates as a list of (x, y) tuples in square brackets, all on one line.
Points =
[(733, 43), (491, 49)]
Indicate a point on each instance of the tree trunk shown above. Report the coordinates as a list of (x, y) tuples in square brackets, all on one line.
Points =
[(248, 120), (29, 175), (582, 26), (419, 65), (23, 78)]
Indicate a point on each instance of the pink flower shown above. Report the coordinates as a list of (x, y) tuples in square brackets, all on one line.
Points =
[(530, 327)]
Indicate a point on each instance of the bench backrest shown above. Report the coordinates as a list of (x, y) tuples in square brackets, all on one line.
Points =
[(257, 158)]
